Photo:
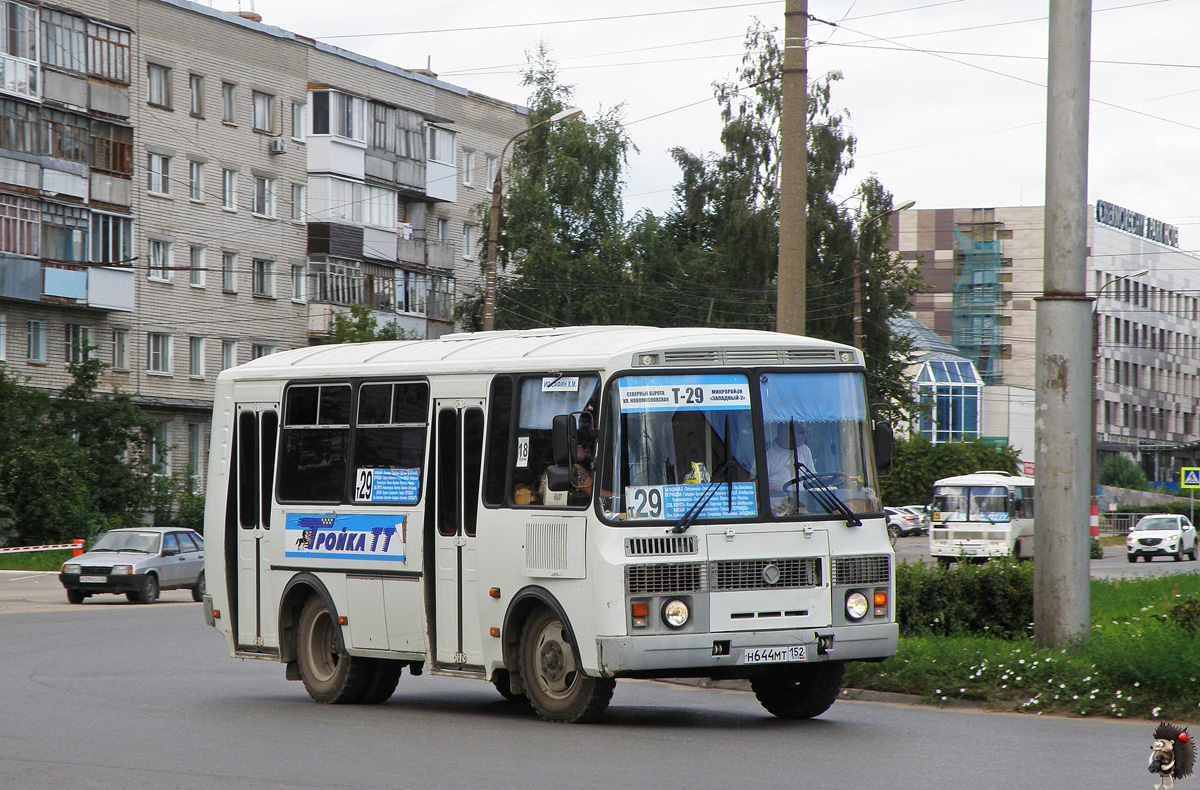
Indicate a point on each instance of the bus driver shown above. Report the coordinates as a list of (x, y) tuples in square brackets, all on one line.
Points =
[(785, 449)]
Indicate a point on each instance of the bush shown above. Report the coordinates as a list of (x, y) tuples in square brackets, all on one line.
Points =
[(1121, 472), (1186, 615), (994, 598)]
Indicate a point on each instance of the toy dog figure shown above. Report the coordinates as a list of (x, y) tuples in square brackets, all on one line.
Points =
[(1172, 756)]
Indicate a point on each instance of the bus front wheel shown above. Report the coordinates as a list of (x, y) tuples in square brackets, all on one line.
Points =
[(554, 681), (800, 691), (330, 675)]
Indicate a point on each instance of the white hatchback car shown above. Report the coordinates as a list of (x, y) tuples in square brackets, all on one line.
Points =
[(1165, 535)]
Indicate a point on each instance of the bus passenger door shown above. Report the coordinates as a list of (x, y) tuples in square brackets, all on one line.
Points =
[(458, 458), (257, 430)]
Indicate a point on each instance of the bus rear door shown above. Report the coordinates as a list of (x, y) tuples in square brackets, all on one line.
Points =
[(257, 431)]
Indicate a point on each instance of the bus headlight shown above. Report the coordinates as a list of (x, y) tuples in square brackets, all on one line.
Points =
[(856, 605), (675, 614)]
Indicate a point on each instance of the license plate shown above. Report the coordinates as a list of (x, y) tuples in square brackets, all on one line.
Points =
[(970, 551), (772, 655), (93, 579)]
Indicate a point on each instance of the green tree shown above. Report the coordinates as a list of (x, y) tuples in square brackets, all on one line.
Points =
[(563, 233), (361, 326), (1120, 471), (917, 463)]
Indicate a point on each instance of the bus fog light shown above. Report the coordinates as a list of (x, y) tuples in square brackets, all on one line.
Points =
[(856, 605), (639, 612), (675, 613)]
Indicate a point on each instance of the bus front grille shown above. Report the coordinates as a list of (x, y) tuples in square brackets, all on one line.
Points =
[(755, 574), (871, 569), (676, 577)]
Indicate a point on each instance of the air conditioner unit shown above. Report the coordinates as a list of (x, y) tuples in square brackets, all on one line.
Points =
[(277, 145)]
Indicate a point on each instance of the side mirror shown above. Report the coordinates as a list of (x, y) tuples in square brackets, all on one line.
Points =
[(171, 552), (558, 477), (564, 440), (883, 446)]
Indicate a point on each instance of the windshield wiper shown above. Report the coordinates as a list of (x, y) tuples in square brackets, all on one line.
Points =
[(825, 496), (693, 512)]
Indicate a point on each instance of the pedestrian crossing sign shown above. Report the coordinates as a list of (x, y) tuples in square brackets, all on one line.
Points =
[(1191, 477)]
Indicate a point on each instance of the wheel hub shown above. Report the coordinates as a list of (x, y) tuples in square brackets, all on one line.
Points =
[(551, 657)]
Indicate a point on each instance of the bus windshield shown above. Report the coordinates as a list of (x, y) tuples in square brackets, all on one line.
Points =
[(675, 440), (970, 503)]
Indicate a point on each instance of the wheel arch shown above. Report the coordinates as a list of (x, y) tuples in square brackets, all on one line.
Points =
[(296, 593), (520, 608)]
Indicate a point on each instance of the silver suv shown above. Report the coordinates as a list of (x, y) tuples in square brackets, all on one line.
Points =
[(137, 562)]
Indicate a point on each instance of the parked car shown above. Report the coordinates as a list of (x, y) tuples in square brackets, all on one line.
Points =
[(138, 562), (1161, 535), (901, 523), (921, 512)]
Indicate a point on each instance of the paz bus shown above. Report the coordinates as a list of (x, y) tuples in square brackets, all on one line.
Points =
[(982, 515), (551, 510)]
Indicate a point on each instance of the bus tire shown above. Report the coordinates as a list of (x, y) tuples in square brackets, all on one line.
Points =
[(385, 676), (330, 675), (554, 681), (801, 691)]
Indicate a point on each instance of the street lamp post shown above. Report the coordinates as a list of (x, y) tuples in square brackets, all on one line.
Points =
[(858, 291), (489, 280), (1095, 514)]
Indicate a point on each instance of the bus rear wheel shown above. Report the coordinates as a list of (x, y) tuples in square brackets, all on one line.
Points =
[(554, 681), (801, 691), (329, 674), (385, 676)]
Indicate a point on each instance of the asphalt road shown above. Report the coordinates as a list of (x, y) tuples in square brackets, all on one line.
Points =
[(116, 695)]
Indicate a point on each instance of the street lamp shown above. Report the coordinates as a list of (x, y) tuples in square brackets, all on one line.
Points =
[(858, 295), (489, 281), (1095, 519)]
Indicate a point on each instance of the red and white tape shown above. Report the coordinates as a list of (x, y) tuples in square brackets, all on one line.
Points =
[(77, 545)]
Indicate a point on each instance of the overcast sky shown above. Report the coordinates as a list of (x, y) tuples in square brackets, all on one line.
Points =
[(946, 97)]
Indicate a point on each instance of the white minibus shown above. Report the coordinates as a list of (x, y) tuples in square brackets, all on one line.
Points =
[(982, 515)]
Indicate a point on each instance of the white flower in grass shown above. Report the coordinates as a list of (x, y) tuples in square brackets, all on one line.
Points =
[(1155, 711)]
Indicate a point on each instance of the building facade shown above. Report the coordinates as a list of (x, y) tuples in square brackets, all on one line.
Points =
[(183, 190), (984, 269)]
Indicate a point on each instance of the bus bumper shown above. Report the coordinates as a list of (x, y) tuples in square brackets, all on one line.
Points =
[(726, 653)]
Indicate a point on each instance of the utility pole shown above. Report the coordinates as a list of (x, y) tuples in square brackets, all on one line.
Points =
[(793, 171), (1064, 425)]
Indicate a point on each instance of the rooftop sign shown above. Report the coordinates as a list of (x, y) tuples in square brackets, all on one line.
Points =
[(1137, 224)]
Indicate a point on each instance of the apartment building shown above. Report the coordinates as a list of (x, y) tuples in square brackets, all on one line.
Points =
[(183, 190), (984, 269)]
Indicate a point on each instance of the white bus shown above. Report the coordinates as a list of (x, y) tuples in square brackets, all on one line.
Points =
[(982, 515), (551, 510)]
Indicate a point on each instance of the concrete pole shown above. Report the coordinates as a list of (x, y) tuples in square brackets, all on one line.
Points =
[(793, 171), (1064, 344)]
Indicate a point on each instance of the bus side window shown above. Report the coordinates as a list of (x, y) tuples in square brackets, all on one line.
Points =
[(499, 437), (316, 438), (540, 398)]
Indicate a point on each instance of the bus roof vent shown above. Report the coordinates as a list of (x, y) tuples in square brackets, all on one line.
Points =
[(660, 546), (992, 472), (812, 355), (753, 356), (691, 356)]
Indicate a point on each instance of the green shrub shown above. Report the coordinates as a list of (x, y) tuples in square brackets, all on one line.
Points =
[(994, 598), (1095, 552), (1186, 615)]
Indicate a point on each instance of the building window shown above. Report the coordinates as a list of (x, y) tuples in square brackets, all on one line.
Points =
[(112, 148), (491, 173), (158, 352), (468, 241), (36, 348), (259, 350), (227, 102), (196, 357), (18, 49), (297, 282), (468, 168), (160, 445), (229, 350), (196, 82), (299, 110), (66, 135), (299, 207), (379, 207), (264, 277), (229, 272), (335, 281), (158, 174), (79, 342), (65, 233), (264, 196), (20, 222), (19, 127), (112, 238), (196, 181), (952, 391), (161, 253), (334, 112), (443, 231), (64, 40), (3, 338), (159, 82), (108, 52), (195, 450), (263, 112), (120, 348), (196, 268), (441, 145), (229, 189)]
